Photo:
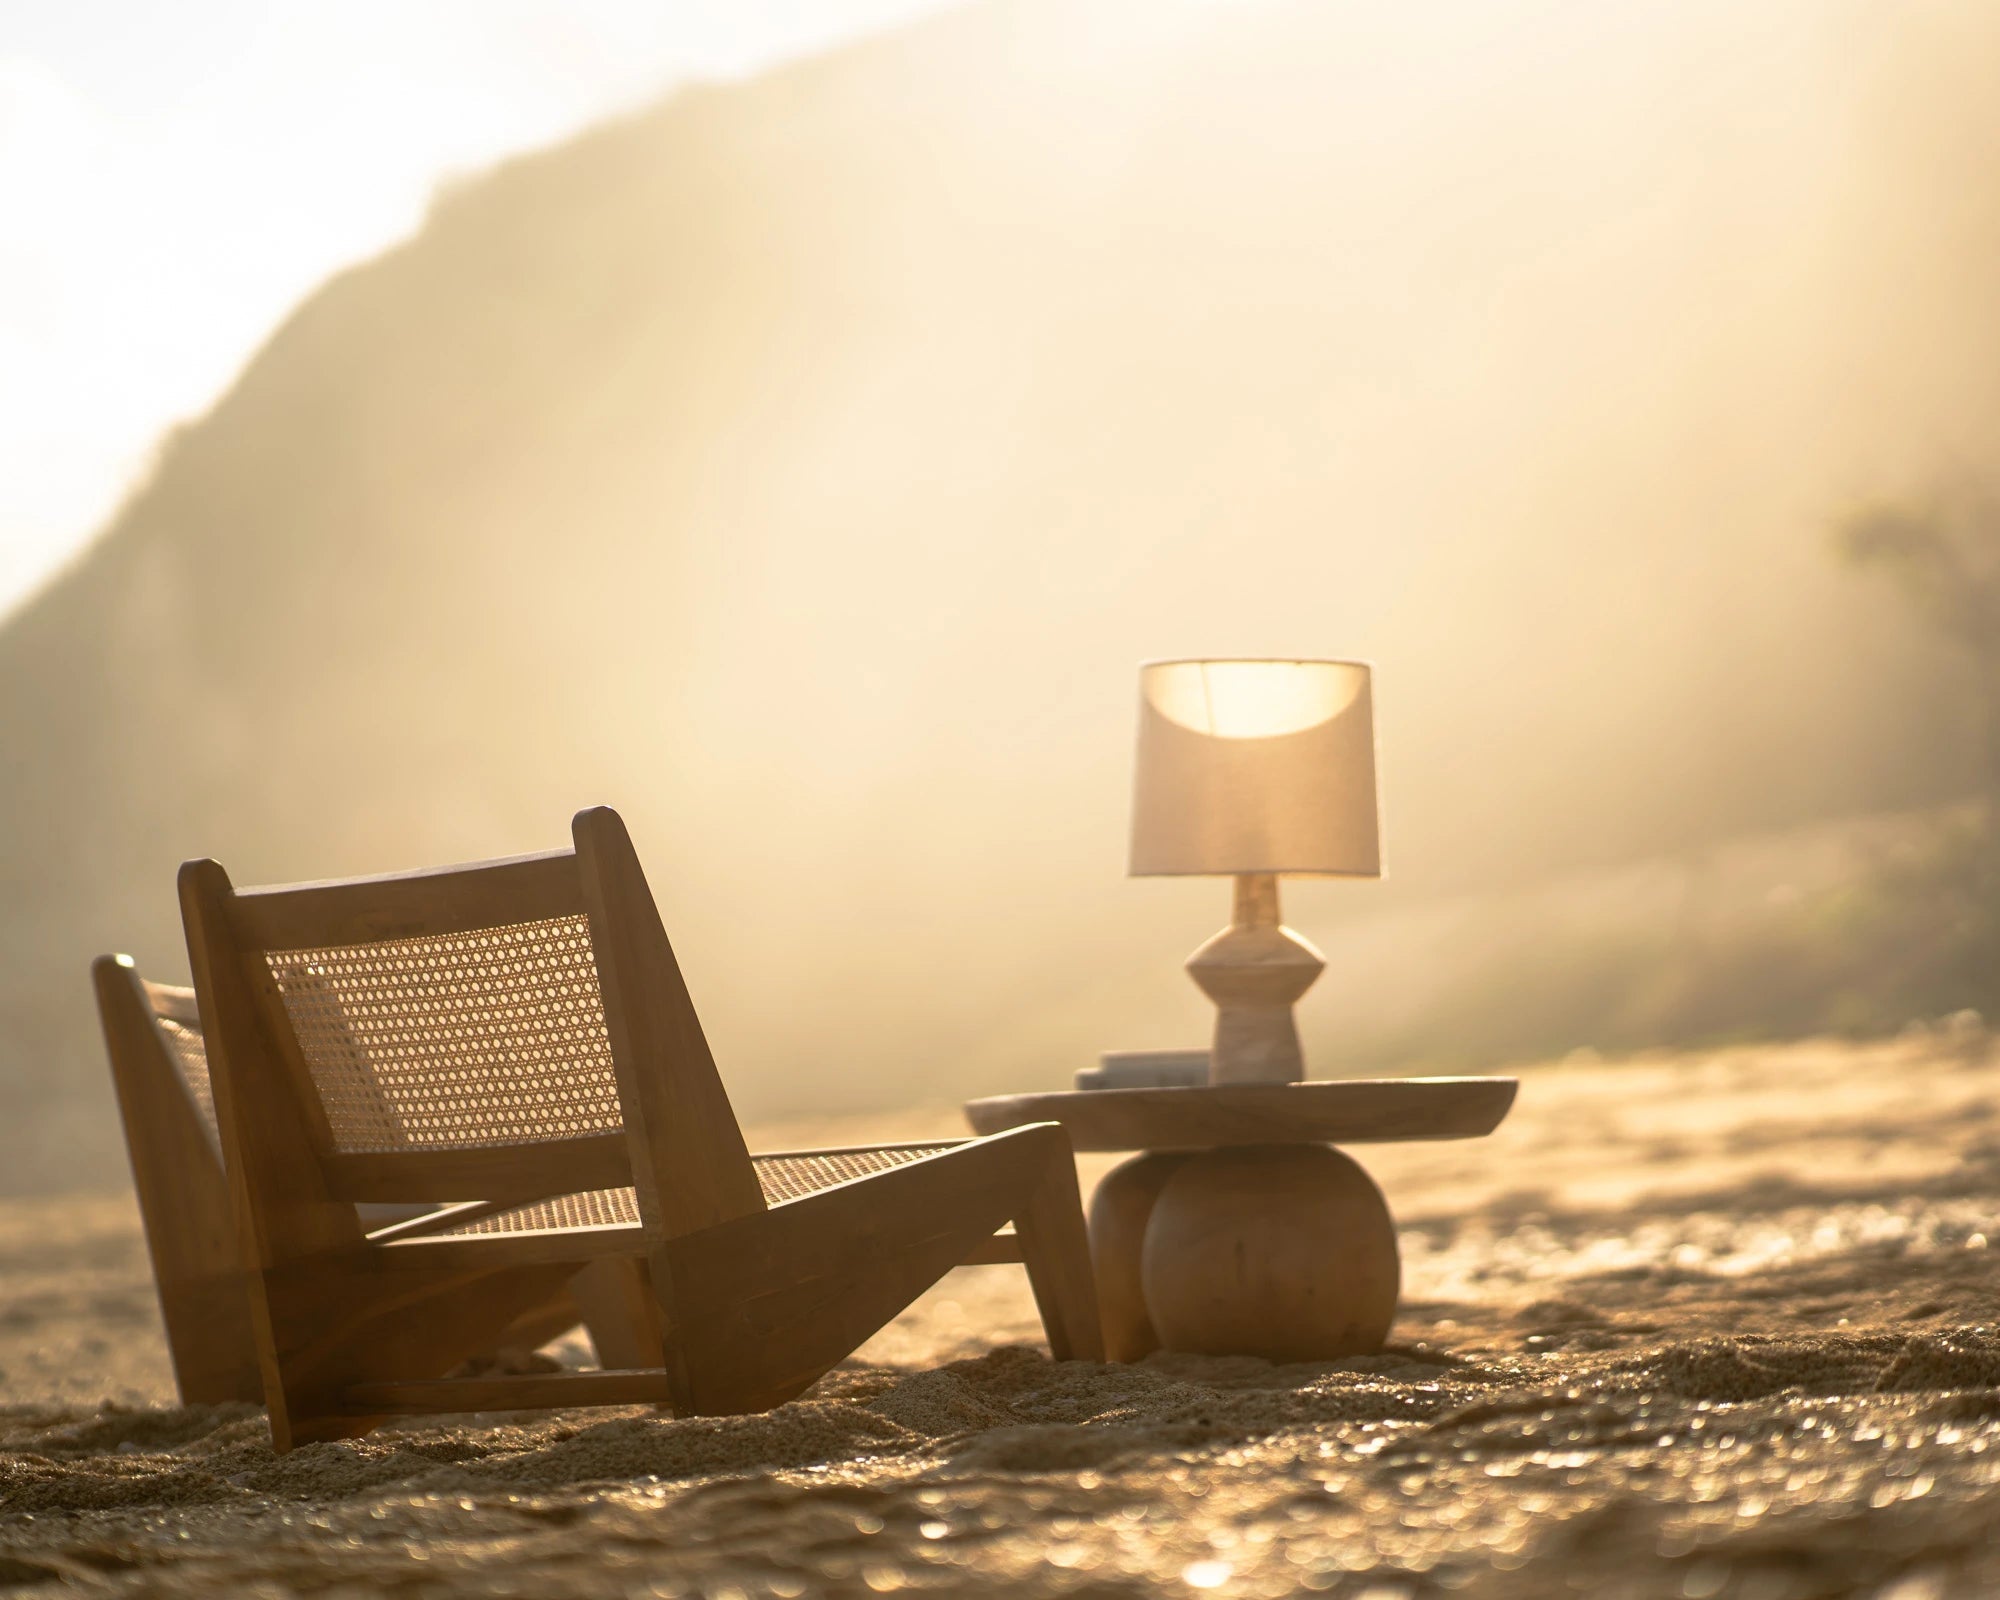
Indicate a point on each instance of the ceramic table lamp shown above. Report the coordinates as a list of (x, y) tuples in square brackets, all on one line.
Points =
[(1255, 768)]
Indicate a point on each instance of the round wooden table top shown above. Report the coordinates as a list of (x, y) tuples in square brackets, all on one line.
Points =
[(1343, 1111)]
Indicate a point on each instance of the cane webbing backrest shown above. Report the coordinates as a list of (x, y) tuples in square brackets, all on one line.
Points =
[(489, 1037), (190, 1058)]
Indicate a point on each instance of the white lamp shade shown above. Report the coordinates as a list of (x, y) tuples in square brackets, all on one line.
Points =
[(1255, 766)]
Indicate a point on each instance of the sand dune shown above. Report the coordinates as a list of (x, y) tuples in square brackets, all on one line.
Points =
[(1666, 1334)]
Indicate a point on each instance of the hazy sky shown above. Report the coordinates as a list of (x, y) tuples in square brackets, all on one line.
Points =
[(174, 177)]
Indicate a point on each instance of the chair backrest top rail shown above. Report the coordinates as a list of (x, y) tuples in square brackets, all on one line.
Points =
[(429, 902)]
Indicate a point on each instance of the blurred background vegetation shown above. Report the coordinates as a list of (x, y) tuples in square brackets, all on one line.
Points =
[(803, 466)]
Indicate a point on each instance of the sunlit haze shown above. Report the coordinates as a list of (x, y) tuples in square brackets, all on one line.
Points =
[(804, 463), (173, 178), (1233, 579)]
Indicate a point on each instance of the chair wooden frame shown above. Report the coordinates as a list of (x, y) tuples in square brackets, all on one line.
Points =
[(183, 1194), (747, 1303), (171, 1138)]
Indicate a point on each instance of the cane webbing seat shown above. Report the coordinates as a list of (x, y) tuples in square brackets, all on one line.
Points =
[(592, 1208), (790, 1175)]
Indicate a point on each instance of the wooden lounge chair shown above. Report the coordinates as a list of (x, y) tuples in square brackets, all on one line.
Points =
[(159, 1070), (520, 1030)]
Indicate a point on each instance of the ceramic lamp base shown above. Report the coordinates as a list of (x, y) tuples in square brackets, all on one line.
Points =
[(1254, 971)]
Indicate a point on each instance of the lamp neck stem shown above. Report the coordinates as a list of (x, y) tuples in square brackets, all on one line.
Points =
[(1256, 900)]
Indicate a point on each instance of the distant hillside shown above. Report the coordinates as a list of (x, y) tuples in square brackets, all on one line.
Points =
[(804, 465)]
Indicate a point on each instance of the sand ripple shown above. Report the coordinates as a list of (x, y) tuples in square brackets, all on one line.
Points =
[(1779, 1387), (1813, 1465)]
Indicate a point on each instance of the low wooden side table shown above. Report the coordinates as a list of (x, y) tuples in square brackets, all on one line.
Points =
[(1241, 1231)]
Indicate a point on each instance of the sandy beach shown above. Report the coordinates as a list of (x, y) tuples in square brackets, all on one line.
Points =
[(546, 549), (1704, 1325)]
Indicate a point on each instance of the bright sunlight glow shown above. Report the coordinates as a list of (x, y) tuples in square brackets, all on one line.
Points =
[(173, 179)]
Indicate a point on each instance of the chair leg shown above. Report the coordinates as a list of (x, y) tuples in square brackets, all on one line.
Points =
[(324, 1324), (758, 1308), (1056, 1250), (210, 1340), (616, 1298)]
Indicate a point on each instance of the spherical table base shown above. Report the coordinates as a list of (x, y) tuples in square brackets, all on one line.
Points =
[(1284, 1251), (1119, 1212)]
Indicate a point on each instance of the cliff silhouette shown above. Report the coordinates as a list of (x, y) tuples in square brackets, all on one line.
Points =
[(804, 464)]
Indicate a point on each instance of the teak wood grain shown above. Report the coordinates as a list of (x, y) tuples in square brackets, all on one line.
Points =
[(690, 1165), (726, 1303), (769, 1303), (427, 1397), (409, 905), (184, 1204), (189, 1222), (1353, 1111), (509, 1172)]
